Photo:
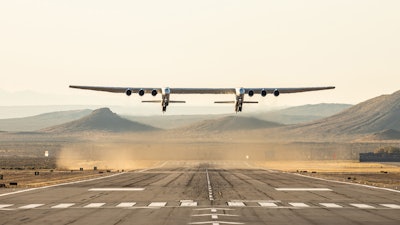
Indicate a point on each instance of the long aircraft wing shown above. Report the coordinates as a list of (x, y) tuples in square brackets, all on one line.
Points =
[(201, 90)]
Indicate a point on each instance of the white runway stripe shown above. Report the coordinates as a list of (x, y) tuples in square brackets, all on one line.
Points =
[(392, 206), (188, 204), (267, 204), (116, 189), (94, 205), (303, 189), (298, 204), (236, 204), (63, 205), (157, 204), (331, 205), (5, 206), (363, 206), (31, 206), (126, 204)]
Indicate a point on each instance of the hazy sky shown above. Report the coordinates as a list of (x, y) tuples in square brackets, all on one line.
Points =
[(47, 45)]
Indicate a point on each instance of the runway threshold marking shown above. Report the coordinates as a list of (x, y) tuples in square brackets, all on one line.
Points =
[(215, 222), (236, 204), (94, 205), (63, 206), (331, 205), (298, 204), (116, 189), (31, 206), (392, 206), (157, 204), (5, 206), (126, 204), (267, 204), (303, 189), (188, 203), (363, 206)]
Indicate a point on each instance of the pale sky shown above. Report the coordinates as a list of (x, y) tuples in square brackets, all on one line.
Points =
[(47, 45)]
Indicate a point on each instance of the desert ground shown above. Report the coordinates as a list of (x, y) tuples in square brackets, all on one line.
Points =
[(71, 158)]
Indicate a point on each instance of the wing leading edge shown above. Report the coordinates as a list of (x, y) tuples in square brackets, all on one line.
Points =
[(239, 92)]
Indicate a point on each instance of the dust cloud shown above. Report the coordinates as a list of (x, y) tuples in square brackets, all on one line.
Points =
[(133, 151)]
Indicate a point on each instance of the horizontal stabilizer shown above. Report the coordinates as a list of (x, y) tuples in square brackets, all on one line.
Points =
[(152, 101), (177, 101), (250, 102), (223, 102)]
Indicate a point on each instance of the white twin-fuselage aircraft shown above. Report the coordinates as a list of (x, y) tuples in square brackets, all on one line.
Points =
[(166, 92)]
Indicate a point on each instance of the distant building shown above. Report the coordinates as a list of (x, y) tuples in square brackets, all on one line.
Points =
[(379, 157)]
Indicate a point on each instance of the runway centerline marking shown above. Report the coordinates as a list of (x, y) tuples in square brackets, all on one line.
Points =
[(116, 189), (210, 191), (303, 189)]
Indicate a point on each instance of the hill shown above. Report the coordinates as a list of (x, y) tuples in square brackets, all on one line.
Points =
[(33, 123), (230, 123), (388, 134), (302, 114), (101, 120), (372, 116)]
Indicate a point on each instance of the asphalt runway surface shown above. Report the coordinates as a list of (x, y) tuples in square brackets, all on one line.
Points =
[(202, 193)]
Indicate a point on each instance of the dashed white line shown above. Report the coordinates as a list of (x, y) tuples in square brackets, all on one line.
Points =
[(188, 204), (331, 205), (363, 206), (126, 204), (392, 206), (94, 205), (5, 206), (216, 222), (63, 206), (116, 189), (236, 204), (31, 206), (157, 204), (267, 204), (303, 189), (210, 192), (298, 204)]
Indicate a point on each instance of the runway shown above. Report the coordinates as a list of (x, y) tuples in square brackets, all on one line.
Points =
[(179, 192)]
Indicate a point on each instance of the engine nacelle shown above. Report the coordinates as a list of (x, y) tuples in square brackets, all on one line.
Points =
[(251, 93), (128, 92), (263, 92), (141, 92), (276, 92), (154, 92)]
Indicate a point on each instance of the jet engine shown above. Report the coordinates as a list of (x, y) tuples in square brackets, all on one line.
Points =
[(128, 92), (276, 92), (154, 92), (251, 93), (141, 92), (263, 92)]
